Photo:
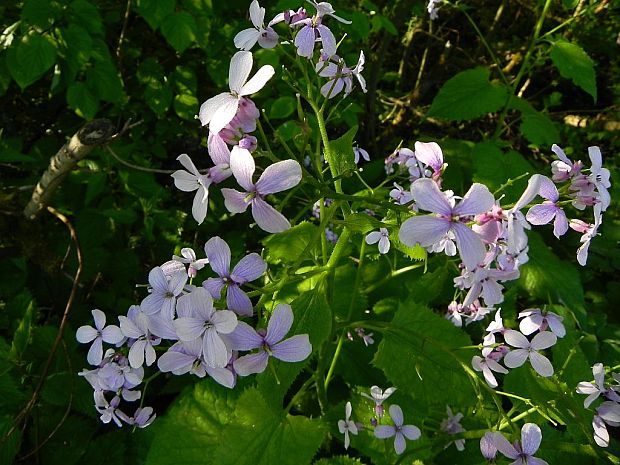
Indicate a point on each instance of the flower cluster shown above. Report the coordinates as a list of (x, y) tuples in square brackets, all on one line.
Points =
[(203, 340), (608, 411)]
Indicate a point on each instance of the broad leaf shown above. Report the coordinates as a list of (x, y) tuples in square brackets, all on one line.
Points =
[(468, 95), (31, 58), (179, 29), (82, 100), (154, 11), (282, 107), (575, 64), (294, 245), (535, 126), (342, 151)]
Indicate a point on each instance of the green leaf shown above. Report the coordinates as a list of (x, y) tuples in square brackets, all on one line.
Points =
[(362, 223), (10, 446), (87, 15), (154, 11), (31, 58), (158, 96), (535, 126), (179, 29), (421, 353), (282, 107), (575, 64), (5, 77), (493, 168), (80, 98), (193, 425), (468, 95), (78, 46), (290, 246), (104, 78), (547, 278), (268, 435), (40, 13), (94, 187), (342, 151), (21, 337)]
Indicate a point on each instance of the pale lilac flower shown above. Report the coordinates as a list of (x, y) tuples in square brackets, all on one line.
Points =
[(594, 390), (249, 268), (485, 284), (487, 448), (455, 313), (115, 375), (535, 320), (266, 37), (608, 413), (433, 9), (142, 417), (399, 431), (218, 111), (496, 326), (378, 395), (564, 169), (487, 365), (311, 31), (529, 350), (270, 343), (359, 153), (589, 231), (347, 426), (188, 256), (516, 224), (452, 425), (382, 237), (366, 338), (164, 293), (205, 323), (428, 230), (100, 333), (549, 209), (523, 451), (191, 180), (326, 9), (400, 195), (278, 177), (136, 327), (431, 155), (599, 176), (109, 410)]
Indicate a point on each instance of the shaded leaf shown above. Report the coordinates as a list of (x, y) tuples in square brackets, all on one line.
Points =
[(574, 63), (179, 29), (31, 58), (82, 100), (342, 151)]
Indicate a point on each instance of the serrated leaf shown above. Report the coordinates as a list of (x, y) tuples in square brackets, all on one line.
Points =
[(269, 436), (154, 11), (282, 107), (193, 425), (547, 278), (342, 151), (468, 95), (421, 352), (179, 29), (31, 58), (416, 252), (81, 99), (297, 243), (493, 168), (362, 223), (535, 126), (574, 63), (104, 78)]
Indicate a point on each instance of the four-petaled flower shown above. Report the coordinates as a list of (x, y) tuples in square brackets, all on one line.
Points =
[(265, 36), (270, 343), (347, 426), (378, 395), (278, 177), (382, 237), (399, 431), (550, 209), (218, 111), (111, 334), (523, 451), (526, 349)]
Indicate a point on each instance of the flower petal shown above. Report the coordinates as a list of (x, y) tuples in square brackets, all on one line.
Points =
[(502, 445), (185, 181), (541, 364), (544, 340), (399, 443), (424, 230), (293, 349), (327, 39), (429, 153), (470, 245), (541, 214), (95, 353), (279, 324), (211, 106), (247, 38), (200, 204), (235, 201), (279, 177), (224, 321), (218, 253), (304, 41), (258, 81), (249, 268), (223, 376), (428, 197), (218, 150), (244, 337), (188, 328), (224, 114), (478, 199), (238, 301), (411, 432), (253, 363), (240, 67), (268, 218), (516, 358), (86, 334), (531, 437), (384, 431), (214, 350), (516, 339), (175, 362), (242, 166)]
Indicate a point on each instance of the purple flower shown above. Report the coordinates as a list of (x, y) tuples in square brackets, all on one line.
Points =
[(218, 111), (136, 327), (109, 410), (399, 431), (589, 231), (529, 350), (189, 257), (487, 365), (429, 230), (206, 323), (359, 153), (99, 334), (382, 237), (266, 37), (248, 269), (278, 177), (270, 343), (452, 425), (608, 413), (326, 9), (191, 180), (400, 195), (347, 426), (535, 320), (142, 418), (594, 390), (599, 176), (523, 452), (549, 209), (487, 448), (377, 395), (164, 293), (431, 155)]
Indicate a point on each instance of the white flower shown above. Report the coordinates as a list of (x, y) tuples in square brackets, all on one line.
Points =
[(347, 426), (266, 37), (526, 349), (218, 111)]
